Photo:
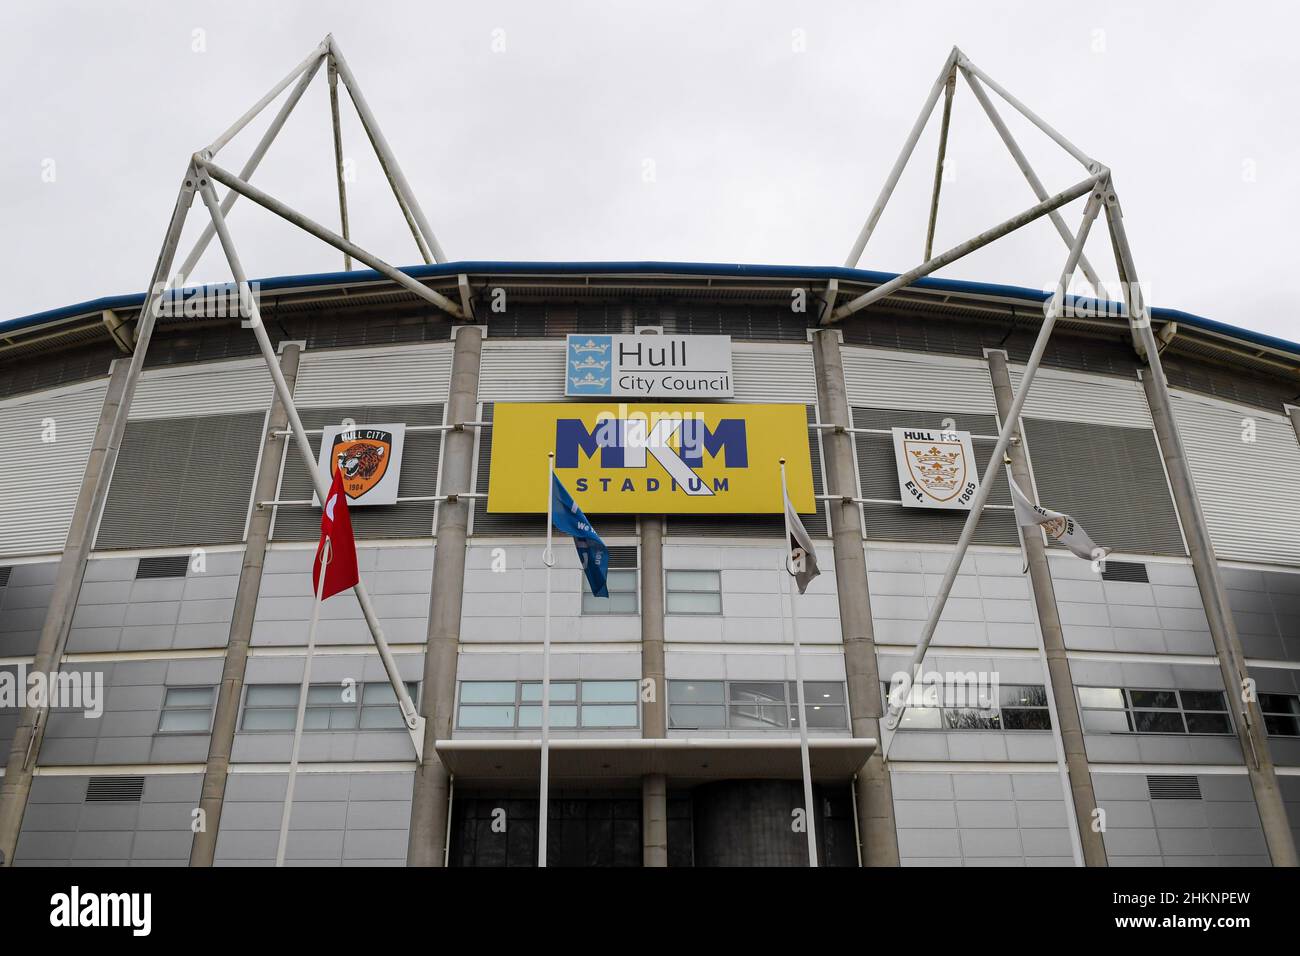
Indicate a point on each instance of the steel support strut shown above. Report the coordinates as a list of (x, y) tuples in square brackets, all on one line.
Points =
[(899, 695), (414, 722)]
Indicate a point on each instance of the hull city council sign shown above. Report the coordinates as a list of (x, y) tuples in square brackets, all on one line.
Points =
[(651, 458), (648, 366), (936, 469), (370, 457)]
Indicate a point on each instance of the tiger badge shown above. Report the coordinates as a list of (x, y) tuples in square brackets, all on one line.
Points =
[(362, 456)]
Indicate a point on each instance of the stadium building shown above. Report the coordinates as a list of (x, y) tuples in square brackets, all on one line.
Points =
[(1103, 730)]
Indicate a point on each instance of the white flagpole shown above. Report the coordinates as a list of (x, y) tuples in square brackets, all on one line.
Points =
[(808, 805), (548, 558), (282, 846)]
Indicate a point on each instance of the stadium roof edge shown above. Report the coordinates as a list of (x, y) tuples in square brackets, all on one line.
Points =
[(720, 270)]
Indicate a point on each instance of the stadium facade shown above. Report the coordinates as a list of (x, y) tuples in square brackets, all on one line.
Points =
[(1104, 730)]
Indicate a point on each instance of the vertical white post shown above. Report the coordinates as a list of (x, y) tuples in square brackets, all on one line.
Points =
[(548, 558), (809, 809), (282, 846)]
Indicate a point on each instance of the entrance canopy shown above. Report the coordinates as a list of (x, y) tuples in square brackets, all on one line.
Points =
[(694, 758)]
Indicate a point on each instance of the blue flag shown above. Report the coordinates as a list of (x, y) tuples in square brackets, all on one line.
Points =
[(569, 519)]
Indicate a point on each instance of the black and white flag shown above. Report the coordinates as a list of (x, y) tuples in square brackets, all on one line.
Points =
[(802, 563), (1061, 527)]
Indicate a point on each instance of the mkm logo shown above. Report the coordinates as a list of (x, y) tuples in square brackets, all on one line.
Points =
[(651, 459)]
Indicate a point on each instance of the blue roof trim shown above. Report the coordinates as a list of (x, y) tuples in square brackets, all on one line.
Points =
[(726, 270)]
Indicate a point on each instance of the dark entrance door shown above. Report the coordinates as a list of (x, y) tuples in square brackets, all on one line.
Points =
[(584, 829)]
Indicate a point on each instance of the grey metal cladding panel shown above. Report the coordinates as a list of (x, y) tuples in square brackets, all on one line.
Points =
[(182, 481), (1109, 478), (761, 525), (411, 519), (878, 477), (521, 524), (59, 827)]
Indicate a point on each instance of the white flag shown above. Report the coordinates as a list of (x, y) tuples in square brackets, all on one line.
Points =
[(802, 563), (1061, 527)]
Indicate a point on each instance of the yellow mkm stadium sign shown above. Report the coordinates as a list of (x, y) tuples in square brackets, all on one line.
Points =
[(618, 458)]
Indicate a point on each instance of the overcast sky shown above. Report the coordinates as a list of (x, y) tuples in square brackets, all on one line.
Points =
[(690, 131)]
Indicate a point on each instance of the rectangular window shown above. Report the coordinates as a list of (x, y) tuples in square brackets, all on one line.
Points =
[(1118, 710), (187, 710), (961, 707), (754, 705), (1281, 714), (693, 592), (270, 707), (622, 594), (507, 705), (339, 706)]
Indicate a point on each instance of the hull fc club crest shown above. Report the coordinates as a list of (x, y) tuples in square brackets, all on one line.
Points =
[(368, 458), (936, 469)]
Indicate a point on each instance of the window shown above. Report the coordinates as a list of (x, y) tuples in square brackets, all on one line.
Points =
[(977, 707), (622, 595), (371, 706), (1281, 714), (1118, 710), (754, 705), (270, 707), (507, 705), (186, 710), (693, 592)]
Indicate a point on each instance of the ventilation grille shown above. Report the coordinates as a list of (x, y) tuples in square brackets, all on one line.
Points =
[(1124, 571), (4, 576), (623, 556), (115, 790), (169, 567), (1170, 787)]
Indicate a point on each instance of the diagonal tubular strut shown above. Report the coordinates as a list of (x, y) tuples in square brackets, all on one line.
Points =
[(231, 181), (898, 695), (414, 722)]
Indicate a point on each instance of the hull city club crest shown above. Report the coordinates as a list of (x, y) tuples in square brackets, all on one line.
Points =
[(367, 457), (936, 469)]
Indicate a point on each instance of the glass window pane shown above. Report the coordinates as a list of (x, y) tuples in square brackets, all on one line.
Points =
[(327, 694), (766, 692), (184, 721), (565, 715), (381, 693), (696, 717), (487, 692), (760, 717), (1158, 722), (622, 580), (1202, 700), (693, 580), (1279, 704), (1163, 699), (1022, 695), (1101, 697), (818, 692), (487, 716), (921, 718), (687, 602), (344, 718), (1105, 721), (1016, 719), (608, 691), (1281, 726), (621, 603), (1207, 724), (965, 718), (695, 691), (561, 690), (609, 715), (188, 697), (316, 718), (381, 718), (272, 695), (279, 719), (825, 716)]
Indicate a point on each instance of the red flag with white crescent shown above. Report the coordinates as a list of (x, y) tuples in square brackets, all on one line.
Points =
[(336, 528)]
